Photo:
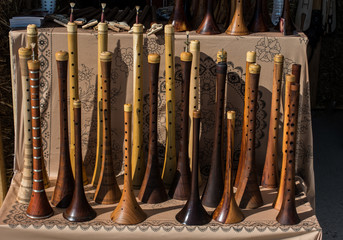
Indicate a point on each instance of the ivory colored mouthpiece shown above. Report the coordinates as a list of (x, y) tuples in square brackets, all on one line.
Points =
[(231, 114), (102, 27), (194, 45), (221, 56), (106, 56), (169, 29), (137, 28), (77, 104), (153, 58), (33, 64), (290, 78), (278, 58), (24, 52), (251, 56), (128, 107), (31, 29), (61, 56), (71, 27), (254, 68), (186, 56), (196, 114)]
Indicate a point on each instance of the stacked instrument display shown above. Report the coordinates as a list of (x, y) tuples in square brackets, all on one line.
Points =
[(178, 18), (257, 23), (39, 206), (215, 184), (152, 189), (227, 211), (79, 209), (169, 166), (248, 193), (181, 185), (237, 25), (25, 189), (250, 59), (270, 176), (138, 164), (107, 191), (193, 213), (208, 25), (128, 210), (64, 188), (3, 179)]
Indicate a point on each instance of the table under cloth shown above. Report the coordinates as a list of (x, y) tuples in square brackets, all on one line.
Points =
[(266, 46)]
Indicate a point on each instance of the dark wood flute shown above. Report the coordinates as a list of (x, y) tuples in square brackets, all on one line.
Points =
[(257, 23), (64, 188), (208, 25), (288, 214), (270, 176), (152, 189), (215, 183), (79, 209), (107, 191), (128, 210), (39, 206), (237, 25), (178, 18), (296, 71), (228, 210), (193, 213), (248, 193), (181, 185)]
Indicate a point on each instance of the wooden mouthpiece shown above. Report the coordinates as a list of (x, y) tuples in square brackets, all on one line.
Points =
[(254, 68), (231, 115), (153, 58), (194, 45), (71, 27), (102, 27), (169, 29), (33, 64), (290, 78), (61, 56), (106, 56), (137, 28), (186, 56), (24, 52), (251, 56), (31, 29), (278, 58), (77, 104), (128, 107)]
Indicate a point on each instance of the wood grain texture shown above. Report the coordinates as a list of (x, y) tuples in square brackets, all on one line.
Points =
[(208, 25), (237, 25)]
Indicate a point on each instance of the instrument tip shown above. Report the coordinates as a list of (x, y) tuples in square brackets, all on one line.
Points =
[(137, 8), (72, 4), (103, 5)]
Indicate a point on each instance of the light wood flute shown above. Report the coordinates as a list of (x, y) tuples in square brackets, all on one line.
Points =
[(169, 166), (24, 193), (128, 210), (270, 176), (138, 164)]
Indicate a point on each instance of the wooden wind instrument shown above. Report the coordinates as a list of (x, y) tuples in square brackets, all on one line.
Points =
[(138, 164), (3, 179), (178, 18), (270, 176), (257, 23), (215, 185), (208, 25), (107, 191), (79, 209), (152, 189), (296, 71), (181, 185), (193, 213), (64, 188), (237, 26), (288, 214), (250, 59), (25, 189), (128, 210), (102, 46), (228, 211), (169, 166), (290, 80), (73, 87), (248, 193), (39, 206)]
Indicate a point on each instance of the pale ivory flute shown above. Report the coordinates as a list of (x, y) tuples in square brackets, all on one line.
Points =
[(138, 165), (3, 180), (102, 47), (25, 189), (169, 166), (73, 91)]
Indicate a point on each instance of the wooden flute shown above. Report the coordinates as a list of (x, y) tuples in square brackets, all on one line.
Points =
[(3, 179), (237, 25), (25, 189), (169, 166), (270, 176)]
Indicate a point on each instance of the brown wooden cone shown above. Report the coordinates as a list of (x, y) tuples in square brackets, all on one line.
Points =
[(237, 25)]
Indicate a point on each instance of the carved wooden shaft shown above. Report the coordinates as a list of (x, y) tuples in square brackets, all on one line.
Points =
[(25, 189), (227, 210), (169, 166), (178, 18), (248, 193), (257, 23), (208, 25), (64, 188), (237, 25), (270, 177), (39, 206)]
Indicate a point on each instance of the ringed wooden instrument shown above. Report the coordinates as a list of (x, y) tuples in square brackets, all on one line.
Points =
[(286, 24), (25, 189), (228, 211), (208, 25), (79, 209), (138, 164), (102, 46), (128, 210), (39, 206), (3, 179), (181, 185), (107, 191), (169, 166), (270, 176), (178, 18), (193, 213), (64, 188), (248, 193), (250, 59), (73, 88), (237, 25), (290, 80), (215, 185), (257, 23), (152, 189)]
